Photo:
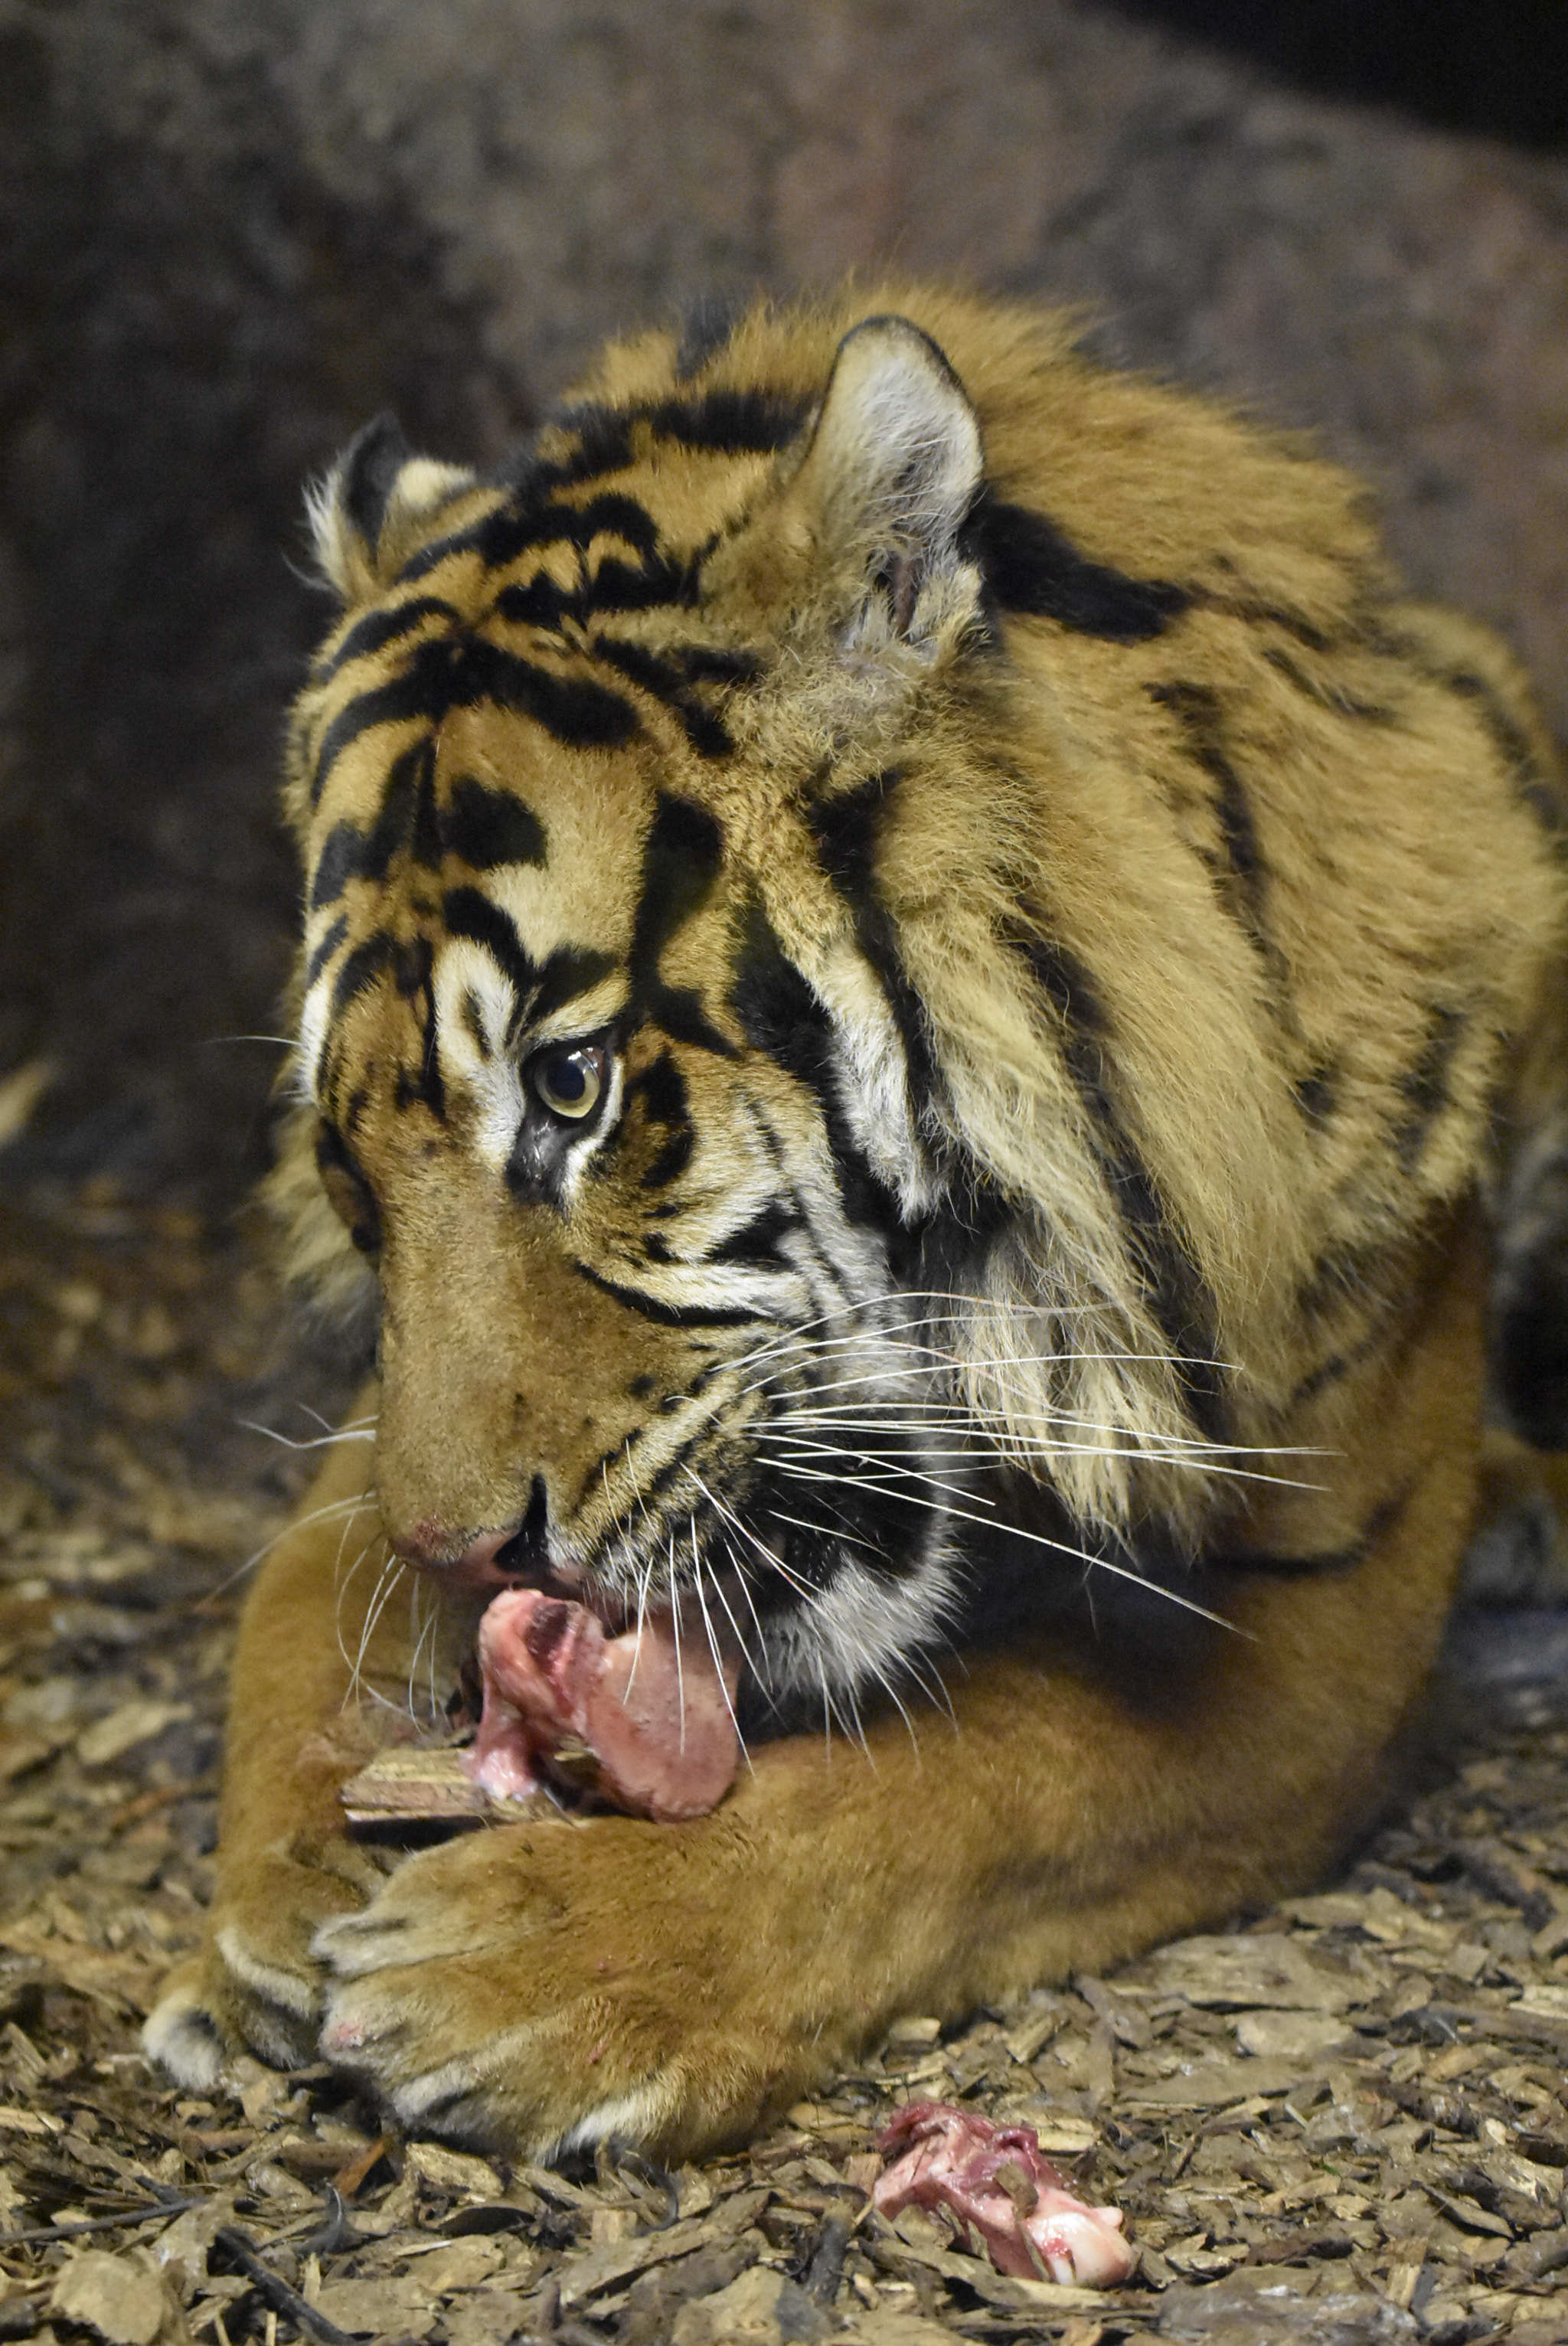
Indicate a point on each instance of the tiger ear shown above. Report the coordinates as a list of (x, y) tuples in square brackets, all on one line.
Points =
[(358, 514), (892, 470)]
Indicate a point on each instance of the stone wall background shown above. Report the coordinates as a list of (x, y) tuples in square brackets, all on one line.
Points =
[(231, 229)]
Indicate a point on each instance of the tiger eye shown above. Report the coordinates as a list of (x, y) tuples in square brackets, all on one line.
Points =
[(571, 1083)]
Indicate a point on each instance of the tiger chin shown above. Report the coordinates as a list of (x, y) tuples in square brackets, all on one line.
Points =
[(919, 984)]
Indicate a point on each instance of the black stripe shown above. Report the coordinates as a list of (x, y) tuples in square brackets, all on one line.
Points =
[(1061, 977), (650, 1487), (361, 970), (1424, 1086), (349, 854), (378, 628), (845, 829), (1330, 697), (410, 694), (660, 1087), (540, 987), (1255, 614), (1172, 1283), (579, 713), (780, 1016), (1031, 569), (717, 663), (1243, 876), (778, 1013), (1326, 1563), (1317, 1094), (325, 950), (1340, 1364), (532, 517), (708, 325), (415, 983), (1350, 1271), (664, 680), (1513, 744), (334, 1156), (486, 827), (474, 1024), (668, 1315), (483, 827), (612, 587), (756, 421), (425, 843), (681, 861), (1196, 710), (565, 972), (445, 674), (469, 912), (756, 1240), (504, 536)]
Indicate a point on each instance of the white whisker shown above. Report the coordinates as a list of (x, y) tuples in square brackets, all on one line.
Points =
[(675, 1618), (1061, 1547), (713, 1649), (315, 1442)]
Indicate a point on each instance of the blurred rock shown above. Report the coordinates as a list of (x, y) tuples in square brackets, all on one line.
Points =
[(234, 232)]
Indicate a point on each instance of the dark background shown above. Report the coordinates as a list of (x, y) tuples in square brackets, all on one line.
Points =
[(235, 229)]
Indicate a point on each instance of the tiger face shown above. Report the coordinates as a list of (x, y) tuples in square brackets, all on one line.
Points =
[(789, 1006), (620, 1289), (573, 1094)]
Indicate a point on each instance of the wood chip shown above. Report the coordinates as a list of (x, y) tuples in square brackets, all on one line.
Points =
[(1289, 2036), (1215, 2085), (110, 1738), (347, 2178), (457, 2172), (114, 2296), (607, 2267), (376, 2308), (412, 1786), (900, 2256), (1252, 1974)]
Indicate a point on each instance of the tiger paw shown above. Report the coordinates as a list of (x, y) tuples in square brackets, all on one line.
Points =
[(255, 1986), (544, 1987)]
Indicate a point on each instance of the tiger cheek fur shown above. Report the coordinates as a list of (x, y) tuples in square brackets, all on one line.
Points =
[(912, 965)]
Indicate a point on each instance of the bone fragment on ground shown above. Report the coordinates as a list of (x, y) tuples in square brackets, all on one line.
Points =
[(998, 2185)]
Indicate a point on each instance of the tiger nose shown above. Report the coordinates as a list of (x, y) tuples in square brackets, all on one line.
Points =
[(468, 1561), (490, 1559)]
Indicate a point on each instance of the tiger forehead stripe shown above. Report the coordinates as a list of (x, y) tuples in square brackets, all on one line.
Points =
[(465, 665), (479, 825), (373, 633), (592, 441), (449, 673)]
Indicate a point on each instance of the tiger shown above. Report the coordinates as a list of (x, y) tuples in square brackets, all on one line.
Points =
[(921, 987)]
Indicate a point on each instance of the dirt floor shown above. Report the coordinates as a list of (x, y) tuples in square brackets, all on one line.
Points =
[(1343, 2122)]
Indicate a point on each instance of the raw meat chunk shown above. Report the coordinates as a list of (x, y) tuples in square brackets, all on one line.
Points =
[(998, 2184)]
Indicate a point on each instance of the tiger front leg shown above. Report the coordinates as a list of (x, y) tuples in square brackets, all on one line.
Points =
[(319, 1679), (555, 1984)]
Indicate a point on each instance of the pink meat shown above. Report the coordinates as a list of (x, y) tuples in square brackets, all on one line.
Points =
[(644, 1721), (998, 2183)]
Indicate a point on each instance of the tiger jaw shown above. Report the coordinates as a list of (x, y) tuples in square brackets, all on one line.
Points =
[(817, 1615)]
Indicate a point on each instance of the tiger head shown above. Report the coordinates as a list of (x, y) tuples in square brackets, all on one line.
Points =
[(697, 1024)]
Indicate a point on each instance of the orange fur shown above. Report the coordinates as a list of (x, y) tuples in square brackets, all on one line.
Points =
[(1224, 873)]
